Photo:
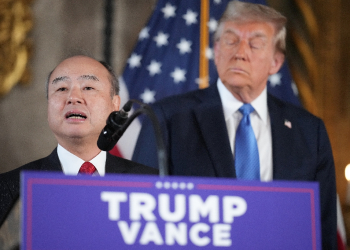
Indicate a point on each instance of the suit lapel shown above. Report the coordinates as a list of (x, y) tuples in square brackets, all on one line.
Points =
[(52, 162), (212, 126), (114, 165), (282, 140)]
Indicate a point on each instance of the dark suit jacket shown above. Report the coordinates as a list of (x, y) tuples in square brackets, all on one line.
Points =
[(10, 181), (197, 143)]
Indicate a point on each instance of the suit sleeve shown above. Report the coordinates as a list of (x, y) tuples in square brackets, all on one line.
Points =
[(146, 147), (9, 192), (326, 177)]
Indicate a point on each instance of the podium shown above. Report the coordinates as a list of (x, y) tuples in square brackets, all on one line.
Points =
[(148, 212)]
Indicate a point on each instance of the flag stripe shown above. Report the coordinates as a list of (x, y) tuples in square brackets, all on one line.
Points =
[(126, 144), (341, 234)]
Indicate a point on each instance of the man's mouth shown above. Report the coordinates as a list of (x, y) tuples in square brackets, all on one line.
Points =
[(237, 69), (75, 115)]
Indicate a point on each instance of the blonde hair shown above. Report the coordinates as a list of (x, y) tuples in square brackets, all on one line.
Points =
[(247, 12)]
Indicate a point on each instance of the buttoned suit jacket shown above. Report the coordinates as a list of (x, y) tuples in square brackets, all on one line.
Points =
[(10, 181), (197, 144)]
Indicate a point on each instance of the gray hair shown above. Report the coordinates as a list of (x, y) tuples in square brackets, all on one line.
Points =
[(112, 78), (247, 12)]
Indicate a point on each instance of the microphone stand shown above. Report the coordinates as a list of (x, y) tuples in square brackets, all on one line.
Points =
[(161, 152)]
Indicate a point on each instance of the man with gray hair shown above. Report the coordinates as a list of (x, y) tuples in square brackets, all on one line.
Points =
[(235, 128), (81, 93)]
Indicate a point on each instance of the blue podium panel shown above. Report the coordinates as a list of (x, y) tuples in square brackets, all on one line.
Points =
[(148, 212)]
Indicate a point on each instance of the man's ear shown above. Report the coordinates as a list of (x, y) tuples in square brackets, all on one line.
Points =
[(116, 102), (277, 62)]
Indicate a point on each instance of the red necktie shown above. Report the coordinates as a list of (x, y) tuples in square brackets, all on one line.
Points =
[(87, 168)]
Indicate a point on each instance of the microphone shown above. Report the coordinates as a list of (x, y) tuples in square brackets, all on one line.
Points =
[(118, 122), (111, 133)]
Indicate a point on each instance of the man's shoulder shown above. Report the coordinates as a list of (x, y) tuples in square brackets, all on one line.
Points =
[(120, 165), (40, 164), (187, 102), (291, 110), (193, 96), (34, 165)]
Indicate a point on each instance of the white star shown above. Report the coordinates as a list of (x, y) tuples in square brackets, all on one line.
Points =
[(212, 24), (275, 79), (134, 60), (169, 11), (161, 39), (154, 68), (144, 33), (209, 53), (184, 46), (178, 75), (148, 96), (217, 1), (190, 17), (295, 88)]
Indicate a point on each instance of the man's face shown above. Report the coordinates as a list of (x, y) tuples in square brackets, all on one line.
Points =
[(79, 99), (245, 57)]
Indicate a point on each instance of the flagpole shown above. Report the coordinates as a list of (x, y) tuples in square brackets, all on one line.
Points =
[(204, 44)]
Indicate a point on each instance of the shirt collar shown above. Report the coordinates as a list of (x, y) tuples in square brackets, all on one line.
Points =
[(231, 104), (71, 163)]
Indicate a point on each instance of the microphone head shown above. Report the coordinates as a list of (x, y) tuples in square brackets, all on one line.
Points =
[(112, 131), (105, 141), (116, 119), (127, 106)]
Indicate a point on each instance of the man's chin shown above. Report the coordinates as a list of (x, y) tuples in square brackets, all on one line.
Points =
[(75, 134), (83, 135), (236, 84)]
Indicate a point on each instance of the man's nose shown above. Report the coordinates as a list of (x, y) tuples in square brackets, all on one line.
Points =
[(241, 51), (75, 96)]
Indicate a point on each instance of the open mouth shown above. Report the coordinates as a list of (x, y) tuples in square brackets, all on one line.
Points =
[(75, 116)]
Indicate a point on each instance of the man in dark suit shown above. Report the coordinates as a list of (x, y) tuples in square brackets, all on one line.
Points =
[(200, 128), (81, 94)]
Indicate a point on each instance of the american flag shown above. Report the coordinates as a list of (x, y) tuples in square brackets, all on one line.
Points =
[(166, 61), (166, 58)]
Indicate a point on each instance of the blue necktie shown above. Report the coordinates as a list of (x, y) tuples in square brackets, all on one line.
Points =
[(246, 148)]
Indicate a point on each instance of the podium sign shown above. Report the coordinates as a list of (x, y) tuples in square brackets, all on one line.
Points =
[(148, 212)]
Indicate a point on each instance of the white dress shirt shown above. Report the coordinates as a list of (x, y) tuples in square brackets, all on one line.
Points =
[(260, 120), (71, 163)]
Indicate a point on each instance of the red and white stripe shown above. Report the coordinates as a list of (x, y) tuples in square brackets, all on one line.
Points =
[(126, 144)]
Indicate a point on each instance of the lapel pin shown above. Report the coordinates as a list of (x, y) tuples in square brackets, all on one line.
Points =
[(287, 123)]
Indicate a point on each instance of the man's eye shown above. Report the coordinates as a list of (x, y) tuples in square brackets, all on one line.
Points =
[(62, 89), (88, 88), (257, 44), (230, 41)]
